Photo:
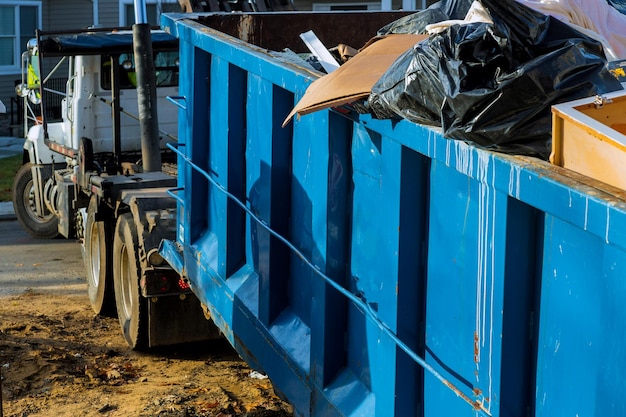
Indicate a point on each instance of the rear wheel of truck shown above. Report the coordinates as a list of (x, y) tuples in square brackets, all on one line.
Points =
[(97, 255), (132, 308), (44, 226)]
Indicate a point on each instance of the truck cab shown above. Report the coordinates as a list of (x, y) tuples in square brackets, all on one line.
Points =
[(87, 105), (83, 176)]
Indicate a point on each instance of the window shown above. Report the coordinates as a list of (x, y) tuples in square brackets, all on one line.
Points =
[(18, 21), (154, 8), (165, 66)]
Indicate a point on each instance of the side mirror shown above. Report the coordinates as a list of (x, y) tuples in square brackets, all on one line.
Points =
[(22, 90), (34, 97)]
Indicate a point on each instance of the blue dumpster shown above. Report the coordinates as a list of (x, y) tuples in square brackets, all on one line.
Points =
[(374, 267)]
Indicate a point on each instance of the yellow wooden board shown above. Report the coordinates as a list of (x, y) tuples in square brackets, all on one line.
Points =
[(589, 137)]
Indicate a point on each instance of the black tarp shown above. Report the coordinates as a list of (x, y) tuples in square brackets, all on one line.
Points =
[(97, 43), (493, 84)]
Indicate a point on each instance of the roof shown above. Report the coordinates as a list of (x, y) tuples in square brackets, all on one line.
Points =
[(97, 43)]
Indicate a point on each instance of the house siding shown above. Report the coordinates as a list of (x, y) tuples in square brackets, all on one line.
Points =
[(67, 14), (7, 92), (109, 13)]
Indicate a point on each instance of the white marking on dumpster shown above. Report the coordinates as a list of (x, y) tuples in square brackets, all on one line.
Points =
[(493, 278), (486, 266), (606, 234), (514, 180), (570, 197), (464, 158), (429, 139)]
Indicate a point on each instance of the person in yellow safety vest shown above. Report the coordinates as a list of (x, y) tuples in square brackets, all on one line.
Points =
[(127, 63), (32, 74), (32, 78), (132, 78)]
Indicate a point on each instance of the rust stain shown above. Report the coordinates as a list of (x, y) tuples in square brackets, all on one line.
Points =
[(476, 348), (477, 405), (477, 391)]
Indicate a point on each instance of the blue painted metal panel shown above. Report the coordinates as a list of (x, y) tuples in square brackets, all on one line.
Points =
[(372, 267), (580, 326), (463, 327)]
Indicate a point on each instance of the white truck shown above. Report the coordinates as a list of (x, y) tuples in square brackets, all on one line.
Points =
[(84, 176)]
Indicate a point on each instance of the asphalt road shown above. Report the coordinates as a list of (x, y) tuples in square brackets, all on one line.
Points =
[(40, 265), (10, 146)]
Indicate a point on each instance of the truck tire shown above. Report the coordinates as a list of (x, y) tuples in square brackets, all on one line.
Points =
[(98, 248), (132, 308), (39, 227)]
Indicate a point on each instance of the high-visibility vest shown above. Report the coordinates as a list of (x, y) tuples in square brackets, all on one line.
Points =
[(32, 77)]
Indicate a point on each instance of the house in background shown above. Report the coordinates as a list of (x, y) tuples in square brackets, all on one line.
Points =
[(20, 18)]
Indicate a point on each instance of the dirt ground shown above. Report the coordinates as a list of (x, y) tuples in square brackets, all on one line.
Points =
[(59, 359)]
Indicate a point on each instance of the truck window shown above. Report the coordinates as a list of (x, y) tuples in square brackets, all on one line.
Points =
[(165, 65)]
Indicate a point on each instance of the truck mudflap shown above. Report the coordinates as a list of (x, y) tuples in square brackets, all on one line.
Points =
[(174, 313), (178, 319), (374, 267)]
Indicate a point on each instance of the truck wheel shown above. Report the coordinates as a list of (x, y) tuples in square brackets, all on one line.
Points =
[(39, 227), (97, 255), (132, 308)]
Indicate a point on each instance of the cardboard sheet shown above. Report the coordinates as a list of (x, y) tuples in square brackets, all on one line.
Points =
[(354, 79)]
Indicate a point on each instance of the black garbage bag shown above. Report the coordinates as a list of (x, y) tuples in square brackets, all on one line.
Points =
[(494, 84)]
